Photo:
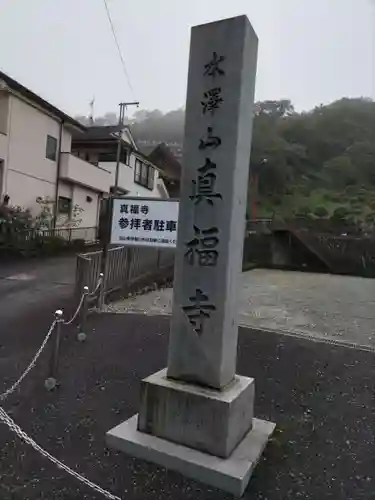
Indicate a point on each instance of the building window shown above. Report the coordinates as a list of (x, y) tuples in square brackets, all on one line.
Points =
[(124, 158), (51, 148), (111, 156), (137, 172), (65, 205), (151, 177), (107, 157), (144, 175)]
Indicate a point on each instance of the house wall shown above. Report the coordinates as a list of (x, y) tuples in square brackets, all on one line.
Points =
[(81, 172), (89, 215), (4, 112), (126, 174), (65, 190), (24, 190), (66, 140), (29, 127), (29, 173), (4, 125), (3, 147), (78, 195)]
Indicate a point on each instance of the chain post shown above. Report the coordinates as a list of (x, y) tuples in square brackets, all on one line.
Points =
[(85, 308), (51, 381)]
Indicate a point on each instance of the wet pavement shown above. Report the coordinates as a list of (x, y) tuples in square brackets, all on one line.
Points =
[(31, 287), (330, 307), (321, 397)]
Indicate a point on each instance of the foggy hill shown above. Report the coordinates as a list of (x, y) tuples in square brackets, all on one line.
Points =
[(316, 163)]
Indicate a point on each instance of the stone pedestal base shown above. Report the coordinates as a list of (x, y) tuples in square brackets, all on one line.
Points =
[(204, 419), (208, 435), (231, 474)]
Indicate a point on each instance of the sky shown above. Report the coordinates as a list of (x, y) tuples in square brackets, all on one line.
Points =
[(310, 51)]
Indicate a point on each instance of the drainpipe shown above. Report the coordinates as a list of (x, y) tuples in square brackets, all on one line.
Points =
[(58, 171)]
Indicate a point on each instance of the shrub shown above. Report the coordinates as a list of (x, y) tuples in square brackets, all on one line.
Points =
[(357, 209), (302, 211), (341, 213), (304, 190), (54, 244), (336, 197), (351, 190), (370, 217), (356, 205), (321, 211)]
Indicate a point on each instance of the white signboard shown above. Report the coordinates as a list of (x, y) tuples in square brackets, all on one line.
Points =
[(150, 222)]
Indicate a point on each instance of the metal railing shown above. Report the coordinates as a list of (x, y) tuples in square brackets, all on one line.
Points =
[(124, 267)]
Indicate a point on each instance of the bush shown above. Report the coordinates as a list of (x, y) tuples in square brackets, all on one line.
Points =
[(304, 190), (341, 213), (336, 197), (361, 197), (357, 209), (321, 212), (53, 244), (277, 200), (357, 205)]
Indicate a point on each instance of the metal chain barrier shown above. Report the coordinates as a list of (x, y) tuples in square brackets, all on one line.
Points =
[(85, 292), (6, 419), (31, 365), (50, 383), (100, 281), (82, 336)]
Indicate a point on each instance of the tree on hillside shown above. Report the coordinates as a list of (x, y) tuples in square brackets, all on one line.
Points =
[(330, 147)]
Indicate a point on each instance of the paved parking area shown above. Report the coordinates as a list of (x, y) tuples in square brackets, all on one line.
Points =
[(332, 307), (321, 397)]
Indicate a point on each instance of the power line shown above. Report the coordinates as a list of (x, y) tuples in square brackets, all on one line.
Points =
[(118, 47)]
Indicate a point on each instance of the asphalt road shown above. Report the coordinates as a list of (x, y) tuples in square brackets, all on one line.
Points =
[(321, 397), (34, 289)]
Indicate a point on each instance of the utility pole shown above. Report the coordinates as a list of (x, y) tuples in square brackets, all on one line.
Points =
[(123, 106), (91, 117), (107, 235)]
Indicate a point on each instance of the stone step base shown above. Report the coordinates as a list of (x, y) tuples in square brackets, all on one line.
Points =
[(231, 474)]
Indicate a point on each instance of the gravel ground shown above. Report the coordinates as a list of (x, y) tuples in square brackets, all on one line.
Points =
[(320, 395), (325, 306)]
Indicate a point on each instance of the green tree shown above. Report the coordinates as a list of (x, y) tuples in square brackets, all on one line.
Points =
[(321, 212)]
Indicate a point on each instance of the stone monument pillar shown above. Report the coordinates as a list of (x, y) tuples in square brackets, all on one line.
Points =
[(196, 416)]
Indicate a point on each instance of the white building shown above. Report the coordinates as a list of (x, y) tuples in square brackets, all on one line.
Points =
[(137, 175), (36, 160)]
